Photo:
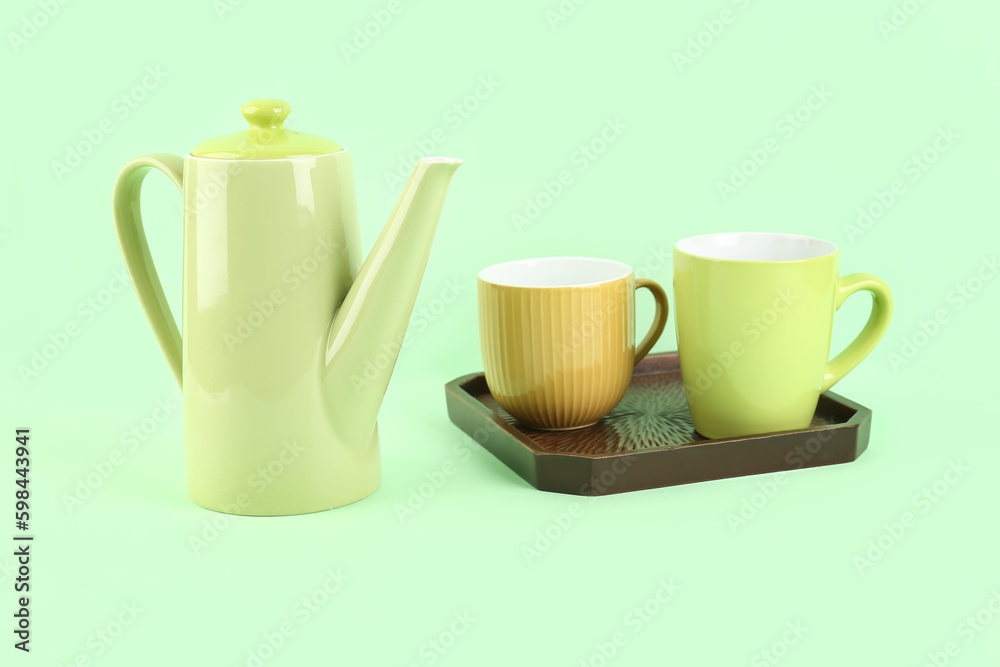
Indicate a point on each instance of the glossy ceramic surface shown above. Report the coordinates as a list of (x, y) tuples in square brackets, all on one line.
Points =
[(266, 138), (289, 340), (754, 317), (558, 337)]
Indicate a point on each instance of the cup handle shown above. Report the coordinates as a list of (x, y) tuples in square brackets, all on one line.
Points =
[(659, 319), (869, 337), (135, 250)]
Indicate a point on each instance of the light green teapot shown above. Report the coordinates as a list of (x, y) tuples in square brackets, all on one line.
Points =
[(288, 340)]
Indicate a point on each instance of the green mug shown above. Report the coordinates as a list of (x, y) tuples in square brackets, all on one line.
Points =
[(754, 317)]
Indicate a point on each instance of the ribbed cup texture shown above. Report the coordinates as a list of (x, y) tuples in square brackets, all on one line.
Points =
[(558, 357)]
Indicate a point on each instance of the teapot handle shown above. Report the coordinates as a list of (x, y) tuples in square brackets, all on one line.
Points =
[(135, 249)]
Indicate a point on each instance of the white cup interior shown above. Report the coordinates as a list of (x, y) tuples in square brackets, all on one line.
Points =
[(756, 247), (555, 272)]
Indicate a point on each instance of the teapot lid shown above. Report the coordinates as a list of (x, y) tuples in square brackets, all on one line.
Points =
[(267, 138)]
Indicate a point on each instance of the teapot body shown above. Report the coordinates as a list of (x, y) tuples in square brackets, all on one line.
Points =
[(270, 248), (288, 337)]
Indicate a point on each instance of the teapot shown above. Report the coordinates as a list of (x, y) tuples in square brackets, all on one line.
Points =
[(288, 338)]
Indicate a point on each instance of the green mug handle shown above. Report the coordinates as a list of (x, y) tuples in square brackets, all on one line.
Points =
[(135, 249), (869, 337), (659, 318)]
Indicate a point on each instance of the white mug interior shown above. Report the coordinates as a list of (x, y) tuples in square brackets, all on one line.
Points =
[(555, 272), (756, 247)]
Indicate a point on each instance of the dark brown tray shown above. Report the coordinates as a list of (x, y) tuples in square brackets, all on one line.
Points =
[(648, 440)]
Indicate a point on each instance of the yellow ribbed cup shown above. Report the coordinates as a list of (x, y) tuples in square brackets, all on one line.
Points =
[(558, 337)]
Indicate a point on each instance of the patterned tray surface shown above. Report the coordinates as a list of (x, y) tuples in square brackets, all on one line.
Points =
[(648, 440), (652, 415)]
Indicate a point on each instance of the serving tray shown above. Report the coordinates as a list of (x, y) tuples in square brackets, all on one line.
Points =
[(648, 440)]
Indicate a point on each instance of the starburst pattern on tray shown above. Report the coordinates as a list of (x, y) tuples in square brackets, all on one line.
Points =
[(650, 417)]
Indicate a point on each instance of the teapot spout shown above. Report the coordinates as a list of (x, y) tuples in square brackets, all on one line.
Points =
[(367, 329)]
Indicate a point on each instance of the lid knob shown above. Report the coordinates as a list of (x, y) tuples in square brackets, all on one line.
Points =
[(266, 138), (266, 113)]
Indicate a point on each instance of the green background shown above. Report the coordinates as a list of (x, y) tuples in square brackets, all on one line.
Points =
[(556, 85)]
